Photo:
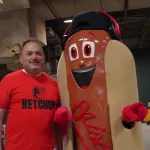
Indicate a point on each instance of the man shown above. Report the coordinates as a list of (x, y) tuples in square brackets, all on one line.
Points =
[(30, 98)]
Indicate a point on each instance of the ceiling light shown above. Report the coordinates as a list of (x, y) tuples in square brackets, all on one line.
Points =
[(67, 21)]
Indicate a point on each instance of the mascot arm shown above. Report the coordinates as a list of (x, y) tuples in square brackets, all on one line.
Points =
[(128, 125), (134, 113), (62, 118)]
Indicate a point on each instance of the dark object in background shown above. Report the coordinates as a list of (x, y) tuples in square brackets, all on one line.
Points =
[(142, 62), (46, 53)]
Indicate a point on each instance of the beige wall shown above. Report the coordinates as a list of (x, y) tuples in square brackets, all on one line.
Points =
[(18, 25), (13, 28), (37, 24)]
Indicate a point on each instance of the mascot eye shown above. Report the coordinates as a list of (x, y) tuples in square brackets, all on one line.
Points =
[(88, 49), (73, 52)]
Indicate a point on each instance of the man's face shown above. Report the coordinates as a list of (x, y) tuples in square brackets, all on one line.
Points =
[(32, 57)]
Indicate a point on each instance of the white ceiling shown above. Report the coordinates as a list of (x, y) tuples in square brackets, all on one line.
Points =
[(57, 9), (68, 8)]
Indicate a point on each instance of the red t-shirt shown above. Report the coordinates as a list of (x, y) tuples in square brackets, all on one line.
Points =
[(30, 103)]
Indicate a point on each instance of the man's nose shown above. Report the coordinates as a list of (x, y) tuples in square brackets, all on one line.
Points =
[(34, 56), (82, 64)]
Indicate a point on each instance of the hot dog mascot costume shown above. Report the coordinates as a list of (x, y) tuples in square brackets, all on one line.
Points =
[(98, 86)]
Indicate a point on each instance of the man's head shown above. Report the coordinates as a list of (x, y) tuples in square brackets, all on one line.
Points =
[(32, 56)]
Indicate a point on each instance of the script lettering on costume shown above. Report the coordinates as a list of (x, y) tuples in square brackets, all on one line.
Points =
[(38, 104), (94, 132)]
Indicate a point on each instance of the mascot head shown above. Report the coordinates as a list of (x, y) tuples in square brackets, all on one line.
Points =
[(83, 43)]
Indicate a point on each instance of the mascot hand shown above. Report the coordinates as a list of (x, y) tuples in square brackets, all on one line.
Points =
[(62, 117), (135, 112)]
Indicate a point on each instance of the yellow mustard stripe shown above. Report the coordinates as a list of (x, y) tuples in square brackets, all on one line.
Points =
[(147, 117)]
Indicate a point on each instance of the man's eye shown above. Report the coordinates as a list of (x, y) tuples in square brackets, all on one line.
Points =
[(29, 54), (39, 54)]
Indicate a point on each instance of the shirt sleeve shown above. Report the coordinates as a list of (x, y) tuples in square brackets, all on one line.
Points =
[(58, 96), (5, 92)]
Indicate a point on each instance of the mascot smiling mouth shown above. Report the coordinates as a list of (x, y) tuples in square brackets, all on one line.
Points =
[(84, 76)]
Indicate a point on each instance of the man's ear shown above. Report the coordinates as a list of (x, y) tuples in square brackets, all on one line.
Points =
[(20, 58), (44, 59)]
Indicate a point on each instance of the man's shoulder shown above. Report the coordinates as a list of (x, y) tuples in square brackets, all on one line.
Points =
[(51, 79), (12, 75)]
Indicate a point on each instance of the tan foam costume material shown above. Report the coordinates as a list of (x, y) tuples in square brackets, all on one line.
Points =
[(96, 108)]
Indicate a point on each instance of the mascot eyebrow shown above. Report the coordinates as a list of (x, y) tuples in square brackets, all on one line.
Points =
[(91, 33), (70, 38)]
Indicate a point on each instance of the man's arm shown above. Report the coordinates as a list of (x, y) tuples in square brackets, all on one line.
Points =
[(2, 111), (5, 88), (59, 137)]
